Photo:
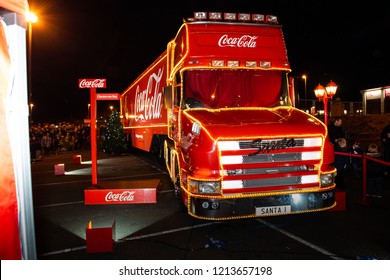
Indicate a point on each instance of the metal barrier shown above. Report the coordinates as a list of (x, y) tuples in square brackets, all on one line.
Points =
[(364, 158)]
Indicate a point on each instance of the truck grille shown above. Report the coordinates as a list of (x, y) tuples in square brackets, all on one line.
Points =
[(271, 164)]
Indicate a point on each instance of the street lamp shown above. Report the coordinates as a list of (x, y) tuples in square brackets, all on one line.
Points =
[(30, 18), (89, 108), (31, 109), (304, 77), (324, 94)]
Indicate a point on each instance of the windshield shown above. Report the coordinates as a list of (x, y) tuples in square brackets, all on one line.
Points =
[(235, 88)]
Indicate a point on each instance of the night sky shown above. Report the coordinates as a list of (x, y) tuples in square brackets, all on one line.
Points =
[(117, 40)]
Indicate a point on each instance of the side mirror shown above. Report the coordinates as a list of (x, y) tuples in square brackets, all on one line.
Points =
[(168, 97)]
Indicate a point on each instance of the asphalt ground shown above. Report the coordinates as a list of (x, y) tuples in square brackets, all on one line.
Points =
[(163, 231)]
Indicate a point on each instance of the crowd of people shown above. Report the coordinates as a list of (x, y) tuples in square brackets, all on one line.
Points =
[(50, 138), (376, 171)]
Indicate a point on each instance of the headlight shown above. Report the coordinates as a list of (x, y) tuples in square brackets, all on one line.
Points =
[(205, 187), (327, 179), (195, 129)]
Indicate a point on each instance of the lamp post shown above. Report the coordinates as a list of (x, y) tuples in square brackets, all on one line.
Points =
[(324, 94), (111, 108), (30, 18), (31, 109), (304, 77)]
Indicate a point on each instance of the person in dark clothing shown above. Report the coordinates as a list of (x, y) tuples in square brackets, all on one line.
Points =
[(385, 136), (341, 162), (375, 172), (356, 162), (34, 147), (335, 131)]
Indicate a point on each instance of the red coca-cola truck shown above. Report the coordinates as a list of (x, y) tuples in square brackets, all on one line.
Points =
[(218, 104)]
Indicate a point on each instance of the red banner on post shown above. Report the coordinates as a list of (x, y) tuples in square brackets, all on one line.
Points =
[(108, 96)]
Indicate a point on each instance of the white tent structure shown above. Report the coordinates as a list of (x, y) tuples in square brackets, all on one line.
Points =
[(17, 235)]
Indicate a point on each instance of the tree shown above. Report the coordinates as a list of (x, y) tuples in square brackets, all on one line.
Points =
[(115, 138)]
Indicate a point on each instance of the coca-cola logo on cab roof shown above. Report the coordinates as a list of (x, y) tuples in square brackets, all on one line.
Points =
[(92, 83), (245, 41)]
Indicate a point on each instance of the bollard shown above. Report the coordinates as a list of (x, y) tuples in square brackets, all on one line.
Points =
[(100, 239), (77, 159), (59, 169)]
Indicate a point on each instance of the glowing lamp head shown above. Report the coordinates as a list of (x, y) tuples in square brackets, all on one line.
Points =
[(31, 17), (331, 88), (319, 91)]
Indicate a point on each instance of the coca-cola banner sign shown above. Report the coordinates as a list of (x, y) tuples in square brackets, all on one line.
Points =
[(92, 83), (120, 196)]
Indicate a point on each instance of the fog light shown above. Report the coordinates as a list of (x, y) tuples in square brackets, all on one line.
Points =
[(215, 205), (205, 204)]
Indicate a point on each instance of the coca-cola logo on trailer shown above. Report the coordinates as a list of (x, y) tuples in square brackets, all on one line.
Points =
[(148, 101), (120, 197), (92, 83), (245, 41)]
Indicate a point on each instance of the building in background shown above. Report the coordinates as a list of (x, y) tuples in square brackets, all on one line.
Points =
[(376, 100)]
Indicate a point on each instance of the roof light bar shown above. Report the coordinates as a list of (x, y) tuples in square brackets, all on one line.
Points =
[(215, 15), (200, 15), (258, 17), (244, 17), (230, 16), (271, 19)]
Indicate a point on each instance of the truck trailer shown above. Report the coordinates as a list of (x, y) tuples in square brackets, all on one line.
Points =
[(219, 106)]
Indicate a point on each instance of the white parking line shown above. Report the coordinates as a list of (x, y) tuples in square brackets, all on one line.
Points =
[(296, 238), (165, 232), (131, 238), (59, 204), (89, 181)]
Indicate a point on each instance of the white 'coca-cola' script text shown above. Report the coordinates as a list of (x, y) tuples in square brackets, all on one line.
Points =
[(148, 102), (245, 41), (92, 83), (120, 197)]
